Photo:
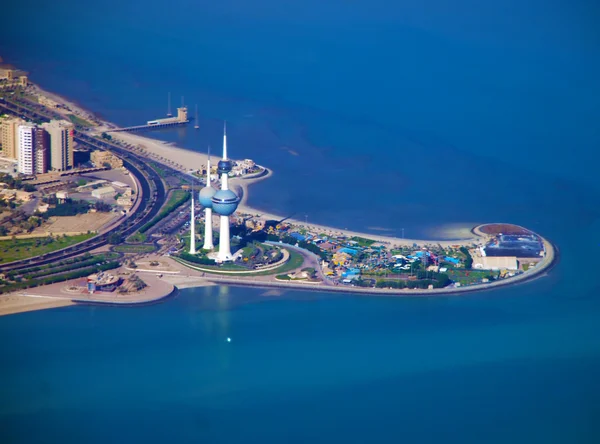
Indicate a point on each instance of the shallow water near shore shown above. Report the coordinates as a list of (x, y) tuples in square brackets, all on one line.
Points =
[(372, 118)]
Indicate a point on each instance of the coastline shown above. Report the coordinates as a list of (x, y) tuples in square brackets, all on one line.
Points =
[(547, 263), (162, 152)]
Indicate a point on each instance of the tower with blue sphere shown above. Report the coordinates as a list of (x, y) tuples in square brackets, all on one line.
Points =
[(205, 197), (224, 202)]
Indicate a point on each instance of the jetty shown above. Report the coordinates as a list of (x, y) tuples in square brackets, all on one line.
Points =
[(180, 119)]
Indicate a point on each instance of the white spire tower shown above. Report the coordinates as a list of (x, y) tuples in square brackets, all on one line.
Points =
[(206, 195), (193, 226), (225, 203)]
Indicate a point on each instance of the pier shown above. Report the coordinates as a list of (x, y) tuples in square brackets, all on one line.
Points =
[(180, 119)]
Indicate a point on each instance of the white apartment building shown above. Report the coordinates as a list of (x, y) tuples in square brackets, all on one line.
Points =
[(26, 156)]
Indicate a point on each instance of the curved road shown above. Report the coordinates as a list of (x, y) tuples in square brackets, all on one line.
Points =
[(151, 203)]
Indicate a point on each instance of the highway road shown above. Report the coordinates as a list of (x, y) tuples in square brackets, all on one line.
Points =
[(152, 192)]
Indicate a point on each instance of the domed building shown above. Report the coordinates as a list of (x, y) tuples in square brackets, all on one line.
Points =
[(225, 202)]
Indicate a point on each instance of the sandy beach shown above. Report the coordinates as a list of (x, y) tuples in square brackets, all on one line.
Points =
[(15, 303)]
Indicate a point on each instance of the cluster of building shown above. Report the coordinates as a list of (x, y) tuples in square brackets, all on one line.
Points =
[(238, 168), (105, 158), (9, 194), (181, 117), (509, 252), (37, 148), (102, 281), (12, 76)]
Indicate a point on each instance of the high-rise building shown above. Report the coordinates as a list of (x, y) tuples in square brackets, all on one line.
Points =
[(9, 136), (41, 143), (61, 144), (26, 156), (224, 202), (205, 197)]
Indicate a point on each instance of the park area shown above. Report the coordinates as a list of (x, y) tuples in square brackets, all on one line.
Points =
[(17, 249)]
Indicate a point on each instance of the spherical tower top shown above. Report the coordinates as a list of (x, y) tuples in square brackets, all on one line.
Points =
[(225, 166), (205, 196), (225, 202)]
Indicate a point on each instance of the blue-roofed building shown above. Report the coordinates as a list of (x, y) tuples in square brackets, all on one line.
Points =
[(298, 236), (351, 273), (452, 260), (348, 251)]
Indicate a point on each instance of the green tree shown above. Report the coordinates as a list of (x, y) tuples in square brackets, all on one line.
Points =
[(115, 238)]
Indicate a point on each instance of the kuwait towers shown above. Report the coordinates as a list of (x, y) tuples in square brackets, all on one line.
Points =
[(224, 202), (205, 197), (193, 226)]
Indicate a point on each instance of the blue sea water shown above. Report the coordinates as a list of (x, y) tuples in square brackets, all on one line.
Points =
[(420, 116)]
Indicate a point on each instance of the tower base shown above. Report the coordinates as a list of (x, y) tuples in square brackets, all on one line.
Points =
[(219, 259)]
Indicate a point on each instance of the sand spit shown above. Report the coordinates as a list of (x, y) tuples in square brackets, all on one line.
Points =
[(15, 303)]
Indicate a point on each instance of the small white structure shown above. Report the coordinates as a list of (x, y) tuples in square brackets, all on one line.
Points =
[(104, 192), (498, 263), (118, 184), (61, 196)]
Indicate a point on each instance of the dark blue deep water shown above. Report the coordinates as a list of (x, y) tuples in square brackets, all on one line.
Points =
[(375, 116)]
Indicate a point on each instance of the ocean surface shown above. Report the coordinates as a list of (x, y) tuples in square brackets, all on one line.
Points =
[(425, 116)]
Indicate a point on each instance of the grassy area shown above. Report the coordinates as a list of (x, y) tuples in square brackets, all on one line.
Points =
[(402, 251), (74, 262), (79, 121), (176, 198), (137, 238), (296, 260), (363, 242), (17, 249), (248, 250), (134, 248), (468, 277), (225, 267), (159, 170), (45, 280)]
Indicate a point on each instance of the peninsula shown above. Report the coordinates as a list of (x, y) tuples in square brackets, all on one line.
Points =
[(122, 225)]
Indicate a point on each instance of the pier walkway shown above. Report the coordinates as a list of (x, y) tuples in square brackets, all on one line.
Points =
[(147, 127)]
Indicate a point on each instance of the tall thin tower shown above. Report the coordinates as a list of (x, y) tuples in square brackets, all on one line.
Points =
[(205, 196), (193, 225), (224, 202)]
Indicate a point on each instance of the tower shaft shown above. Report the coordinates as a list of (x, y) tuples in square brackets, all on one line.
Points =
[(224, 246), (208, 232), (193, 228), (224, 202)]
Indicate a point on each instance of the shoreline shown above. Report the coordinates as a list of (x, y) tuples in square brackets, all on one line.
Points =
[(161, 152), (22, 303), (547, 263)]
